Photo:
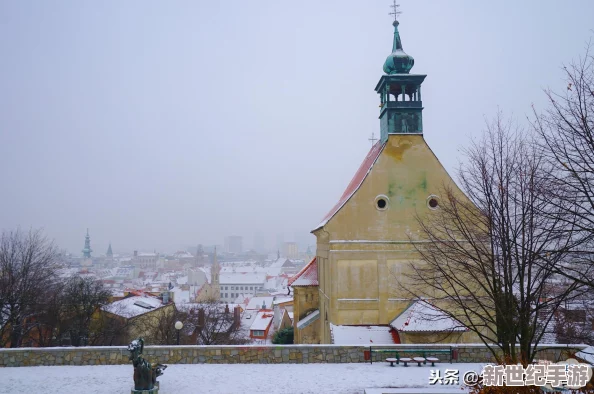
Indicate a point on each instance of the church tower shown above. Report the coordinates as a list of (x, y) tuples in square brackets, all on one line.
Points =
[(215, 271), (365, 243), (87, 250), (400, 93), (109, 253)]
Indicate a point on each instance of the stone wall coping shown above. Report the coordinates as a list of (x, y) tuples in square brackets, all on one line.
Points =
[(314, 346), (251, 354), (540, 345)]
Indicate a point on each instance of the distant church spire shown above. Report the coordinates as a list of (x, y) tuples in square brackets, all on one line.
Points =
[(109, 251), (87, 250), (215, 270)]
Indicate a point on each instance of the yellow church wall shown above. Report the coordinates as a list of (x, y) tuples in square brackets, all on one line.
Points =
[(362, 250), (357, 278)]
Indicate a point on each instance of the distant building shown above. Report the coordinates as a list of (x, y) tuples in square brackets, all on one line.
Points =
[(109, 253), (291, 250), (233, 244), (211, 291), (259, 245), (235, 284), (201, 257), (146, 261), (280, 240)]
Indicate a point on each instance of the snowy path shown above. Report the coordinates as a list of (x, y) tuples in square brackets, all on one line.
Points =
[(222, 378)]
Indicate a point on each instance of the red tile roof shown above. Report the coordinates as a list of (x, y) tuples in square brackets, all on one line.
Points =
[(356, 182), (308, 276)]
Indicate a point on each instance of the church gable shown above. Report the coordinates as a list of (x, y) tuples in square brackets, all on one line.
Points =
[(404, 180), (355, 183)]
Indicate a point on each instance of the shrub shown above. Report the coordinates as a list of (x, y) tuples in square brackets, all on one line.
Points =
[(283, 337)]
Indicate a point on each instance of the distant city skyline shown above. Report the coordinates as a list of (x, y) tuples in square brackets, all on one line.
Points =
[(98, 250)]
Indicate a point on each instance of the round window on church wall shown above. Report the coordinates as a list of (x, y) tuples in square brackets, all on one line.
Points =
[(381, 202), (433, 202)]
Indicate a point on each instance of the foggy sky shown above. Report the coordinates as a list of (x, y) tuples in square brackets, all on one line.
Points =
[(160, 125)]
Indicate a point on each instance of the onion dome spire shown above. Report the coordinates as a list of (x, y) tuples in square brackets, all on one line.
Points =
[(398, 62), (87, 250)]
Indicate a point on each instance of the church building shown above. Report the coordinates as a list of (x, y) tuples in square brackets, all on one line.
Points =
[(211, 291), (366, 240)]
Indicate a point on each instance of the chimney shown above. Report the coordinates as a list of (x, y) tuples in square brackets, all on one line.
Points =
[(277, 316), (236, 317), (201, 318), (226, 309)]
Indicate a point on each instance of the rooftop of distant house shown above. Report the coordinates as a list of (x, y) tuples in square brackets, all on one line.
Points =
[(134, 305)]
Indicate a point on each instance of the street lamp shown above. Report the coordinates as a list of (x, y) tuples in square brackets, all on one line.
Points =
[(178, 326)]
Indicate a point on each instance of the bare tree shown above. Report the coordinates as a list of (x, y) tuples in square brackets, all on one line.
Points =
[(27, 267), (161, 329), (493, 254), (212, 323), (574, 321), (567, 131), (81, 296), (111, 330), (47, 317)]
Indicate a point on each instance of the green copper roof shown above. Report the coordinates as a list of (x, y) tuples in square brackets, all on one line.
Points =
[(87, 250), (398, 62)]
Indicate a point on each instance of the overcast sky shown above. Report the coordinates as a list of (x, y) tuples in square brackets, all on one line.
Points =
[(164, 124)]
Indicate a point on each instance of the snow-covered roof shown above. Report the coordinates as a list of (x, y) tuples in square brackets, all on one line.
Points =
[(256, 303), (123, 271), (133, 306), (361, 335), (147, 255), (180, 296), (262, 320), (356, 182), (422, 316), (279, 262), (282, 300), (308, 276), (183, 255), (241, 278)]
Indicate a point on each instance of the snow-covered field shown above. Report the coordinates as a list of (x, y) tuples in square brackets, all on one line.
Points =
[(224, 378)]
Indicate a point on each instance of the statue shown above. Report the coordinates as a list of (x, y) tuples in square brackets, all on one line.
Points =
[(145, 375)]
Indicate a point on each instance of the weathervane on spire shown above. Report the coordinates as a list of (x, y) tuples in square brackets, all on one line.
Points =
[(395, 7)]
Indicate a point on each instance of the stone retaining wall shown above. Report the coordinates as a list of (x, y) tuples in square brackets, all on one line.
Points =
[(273, 354)]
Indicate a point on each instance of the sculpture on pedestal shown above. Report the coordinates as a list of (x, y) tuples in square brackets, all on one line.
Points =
[(145, 375)]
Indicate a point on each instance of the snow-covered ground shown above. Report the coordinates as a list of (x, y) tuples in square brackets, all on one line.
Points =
[(224, 378)]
